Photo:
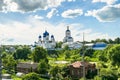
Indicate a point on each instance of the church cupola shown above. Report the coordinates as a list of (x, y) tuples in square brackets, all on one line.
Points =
[(67, 29), (68, 37), (68, 33), (39, 37), (46, 41), (52, 38), (45, 34)]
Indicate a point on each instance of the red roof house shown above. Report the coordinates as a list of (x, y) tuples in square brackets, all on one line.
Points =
[(76, 68)]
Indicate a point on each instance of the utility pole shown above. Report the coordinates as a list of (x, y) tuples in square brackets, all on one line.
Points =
[(83, 58)]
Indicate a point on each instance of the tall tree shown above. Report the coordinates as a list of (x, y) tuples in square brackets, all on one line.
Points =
[(43, 67), (56, 73), (117, 40), (114, 55), (9, 63), (59, 44), (22, 53), (110, 41), (39, 54)]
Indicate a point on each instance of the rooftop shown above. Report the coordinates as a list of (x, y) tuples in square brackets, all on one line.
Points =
[(78, 64)]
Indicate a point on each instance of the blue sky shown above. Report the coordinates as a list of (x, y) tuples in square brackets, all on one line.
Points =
[(21, 21)]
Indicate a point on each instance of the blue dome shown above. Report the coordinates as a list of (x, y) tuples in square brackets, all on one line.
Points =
[(69, 37), (45, 34), (67, 30), (39, 36), (52, 36)]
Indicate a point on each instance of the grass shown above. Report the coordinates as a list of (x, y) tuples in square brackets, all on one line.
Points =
[(17, 79), (14, 77)]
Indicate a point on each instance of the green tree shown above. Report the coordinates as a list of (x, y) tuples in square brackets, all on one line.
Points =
[(102, 55), (104, 40), (97, 78), (67, 54), (9, 64), (22, 53), (108, 74), (89, 52), (114, 55), (4, 54), (56, 73), (39, 54), (59, 44), (31, 76), (43, 67), (110, 41), (117, 40)]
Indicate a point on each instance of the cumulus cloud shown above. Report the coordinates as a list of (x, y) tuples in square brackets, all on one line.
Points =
[(106, 14), (9, 6), (28, 5), (72, 13), (51, 13), (71, 0), (95, 36), (1, 4), (55, 3), (26, 33), (105, 1), (38, 17)]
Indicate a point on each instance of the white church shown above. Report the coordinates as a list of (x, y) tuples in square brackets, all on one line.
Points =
[(46, 41), (68, 40)]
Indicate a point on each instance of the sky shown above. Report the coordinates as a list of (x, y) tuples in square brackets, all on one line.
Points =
[(22, 21)]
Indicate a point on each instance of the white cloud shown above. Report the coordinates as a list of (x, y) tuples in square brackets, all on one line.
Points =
[(105, 1), (71, 0), (96, 36), (106, 14), (1, 4), (72, 13), (28, 5), (90, 35), (27, 33), (31, 5), (9, 6), (55, 3), (38, 17), (51, 13), (22, 5)]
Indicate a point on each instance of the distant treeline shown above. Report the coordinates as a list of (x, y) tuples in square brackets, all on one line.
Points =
[(109, 41)]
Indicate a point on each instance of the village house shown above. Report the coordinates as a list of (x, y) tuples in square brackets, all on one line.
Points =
[(27, 67), (76, 68)]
